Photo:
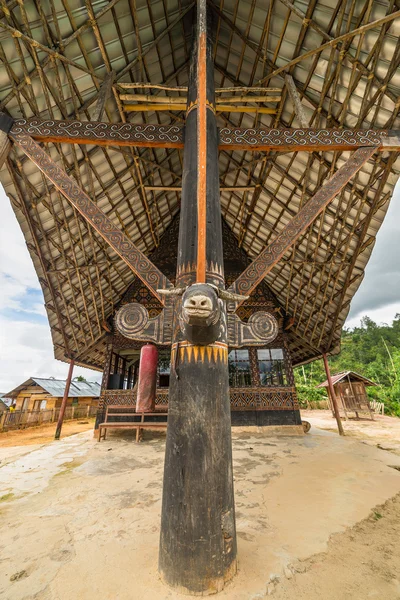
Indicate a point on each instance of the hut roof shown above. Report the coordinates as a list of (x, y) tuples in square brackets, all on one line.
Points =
[(56, 387), (55, 57), (351, 374)]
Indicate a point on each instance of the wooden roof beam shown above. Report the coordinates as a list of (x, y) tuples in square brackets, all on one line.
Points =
[(333, 43), (134, 258), (269, 257), (355, 61), (171, 136)]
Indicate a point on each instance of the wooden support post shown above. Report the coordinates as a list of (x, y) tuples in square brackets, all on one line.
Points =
[(268, 258), (333, 395), (5, 144), (146, 395), (198, 535), (64, 400)]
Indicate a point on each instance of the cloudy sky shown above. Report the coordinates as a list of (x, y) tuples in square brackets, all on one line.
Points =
[(25, 344)]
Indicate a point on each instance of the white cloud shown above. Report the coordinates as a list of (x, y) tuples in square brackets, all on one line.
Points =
[(26, 350), (385, 314)]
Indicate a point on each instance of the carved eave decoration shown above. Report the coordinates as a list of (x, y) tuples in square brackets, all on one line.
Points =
[(73, 62)]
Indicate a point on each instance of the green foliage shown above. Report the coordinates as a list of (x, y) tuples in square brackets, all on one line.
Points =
[(307, 393), (79, 378), (371, 350)]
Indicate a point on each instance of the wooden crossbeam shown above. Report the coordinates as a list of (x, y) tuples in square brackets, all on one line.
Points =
[(104, 94), (171, 136), (117, 240), (270, 256)]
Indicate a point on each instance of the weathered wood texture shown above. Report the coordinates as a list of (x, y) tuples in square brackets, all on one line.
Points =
[(171, 136), (265, 261), (333, 395), (64, 401), (137, 261), (198, 536)]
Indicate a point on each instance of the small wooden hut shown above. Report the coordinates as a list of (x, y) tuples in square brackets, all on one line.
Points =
[(350, 393)]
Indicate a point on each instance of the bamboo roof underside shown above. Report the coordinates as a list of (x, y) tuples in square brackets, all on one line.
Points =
[(54, 57)]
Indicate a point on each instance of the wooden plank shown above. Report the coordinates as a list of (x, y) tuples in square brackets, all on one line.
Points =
[(295, 98), (268, 258), (306, 140), (118, 241), (100, 134), (104, 95), (171, 136)]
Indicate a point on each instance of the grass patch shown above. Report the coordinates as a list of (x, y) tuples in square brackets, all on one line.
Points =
[(7, 497)]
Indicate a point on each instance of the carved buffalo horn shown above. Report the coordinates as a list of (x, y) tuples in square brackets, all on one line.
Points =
[(225, 295), (172, 292)]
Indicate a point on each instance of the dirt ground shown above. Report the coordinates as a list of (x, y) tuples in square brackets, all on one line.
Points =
[(43, 434), (383, 431), (318, 517), (363, 562)]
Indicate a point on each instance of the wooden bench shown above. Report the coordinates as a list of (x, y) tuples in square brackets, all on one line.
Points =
[(116, 410)]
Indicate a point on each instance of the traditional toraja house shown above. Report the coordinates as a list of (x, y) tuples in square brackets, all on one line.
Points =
[(279, 119), (350, 393), (37, 393)]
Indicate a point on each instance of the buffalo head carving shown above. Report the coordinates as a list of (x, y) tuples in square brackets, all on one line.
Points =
[(202, 311)]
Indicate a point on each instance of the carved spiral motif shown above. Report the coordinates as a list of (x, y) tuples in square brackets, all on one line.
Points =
[(264, 326), (131, 319)]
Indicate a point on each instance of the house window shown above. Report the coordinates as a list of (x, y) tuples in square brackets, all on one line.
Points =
[(25, 404), (239, 368), (164, 370), (271, 364), (74, 401)]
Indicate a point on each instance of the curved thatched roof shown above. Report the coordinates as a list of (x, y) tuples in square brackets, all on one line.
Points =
[(54, 57)]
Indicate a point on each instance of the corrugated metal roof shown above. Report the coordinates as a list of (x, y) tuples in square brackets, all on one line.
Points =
[(56, 387), (353, 377), (354, 83)]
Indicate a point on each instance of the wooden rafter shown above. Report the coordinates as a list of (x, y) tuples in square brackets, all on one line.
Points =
[(134, 258), (269, 257)]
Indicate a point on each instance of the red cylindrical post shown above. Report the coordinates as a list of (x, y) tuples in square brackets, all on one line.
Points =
[(147, 381), (64, 400)]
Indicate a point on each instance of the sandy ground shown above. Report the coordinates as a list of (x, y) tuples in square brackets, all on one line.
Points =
[(43, 434), (80, 519), (14, 444), (383, 431)]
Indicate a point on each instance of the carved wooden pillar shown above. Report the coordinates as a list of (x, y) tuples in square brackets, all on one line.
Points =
[(198, 536)]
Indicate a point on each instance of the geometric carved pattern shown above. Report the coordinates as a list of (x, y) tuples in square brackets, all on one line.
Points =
[(261, 329), (132, 321), (87, 132), (256, 398), (275, 398), (171, 136), (300, 139)]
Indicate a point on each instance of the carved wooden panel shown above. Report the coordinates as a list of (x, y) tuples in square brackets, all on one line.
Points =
[(101, 134)]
